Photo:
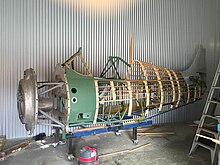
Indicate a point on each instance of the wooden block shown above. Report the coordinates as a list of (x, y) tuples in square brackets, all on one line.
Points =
[(2, 138), (14, 148), (2, 142), (1, 146)]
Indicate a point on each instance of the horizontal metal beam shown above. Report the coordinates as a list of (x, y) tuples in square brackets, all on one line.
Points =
[(108, 129)]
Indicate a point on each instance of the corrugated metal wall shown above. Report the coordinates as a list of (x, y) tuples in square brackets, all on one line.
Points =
[(41, 33)]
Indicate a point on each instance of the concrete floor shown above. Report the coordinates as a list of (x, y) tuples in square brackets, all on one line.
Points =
[(166, 150)]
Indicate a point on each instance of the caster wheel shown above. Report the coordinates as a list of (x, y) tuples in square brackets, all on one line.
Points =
[(70, 157), (135, 142), (117, 134)]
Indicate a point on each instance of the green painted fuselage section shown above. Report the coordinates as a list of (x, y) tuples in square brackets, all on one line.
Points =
[(82, 95)]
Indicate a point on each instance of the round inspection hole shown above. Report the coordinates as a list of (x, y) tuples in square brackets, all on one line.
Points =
[(74, 90), (74, 99)]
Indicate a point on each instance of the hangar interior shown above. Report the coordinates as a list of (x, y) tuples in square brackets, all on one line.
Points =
[(170, 34)]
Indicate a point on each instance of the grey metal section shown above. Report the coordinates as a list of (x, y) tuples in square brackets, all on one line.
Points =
[(42, 33), (45, 104), (27, 100)]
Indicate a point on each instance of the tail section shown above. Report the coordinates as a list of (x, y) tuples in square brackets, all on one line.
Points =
[(197, 69), (198, 66)]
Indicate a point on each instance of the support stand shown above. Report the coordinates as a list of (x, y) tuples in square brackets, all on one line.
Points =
[(135, 140), (57, 135), (69, 143)]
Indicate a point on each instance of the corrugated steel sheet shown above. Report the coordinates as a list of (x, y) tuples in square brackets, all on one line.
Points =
[(41, 33)]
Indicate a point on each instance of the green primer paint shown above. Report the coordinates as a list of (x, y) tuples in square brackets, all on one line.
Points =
[(82, 96)]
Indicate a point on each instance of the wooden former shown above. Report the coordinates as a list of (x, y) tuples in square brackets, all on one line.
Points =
[(97, 102)]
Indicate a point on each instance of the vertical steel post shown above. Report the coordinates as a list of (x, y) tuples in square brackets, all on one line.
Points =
[(70, 145), (135, 140), (57, 135)]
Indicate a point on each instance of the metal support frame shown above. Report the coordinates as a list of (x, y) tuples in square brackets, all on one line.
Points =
[(94, 131), (73, 57), (113, 63), (52, 119), (52, 88), (48, 124)]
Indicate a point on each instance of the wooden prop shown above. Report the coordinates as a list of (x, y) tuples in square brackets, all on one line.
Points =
[(124, 151), (155, 133)]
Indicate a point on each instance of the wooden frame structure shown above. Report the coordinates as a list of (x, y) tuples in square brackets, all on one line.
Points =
[(147, 86)]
